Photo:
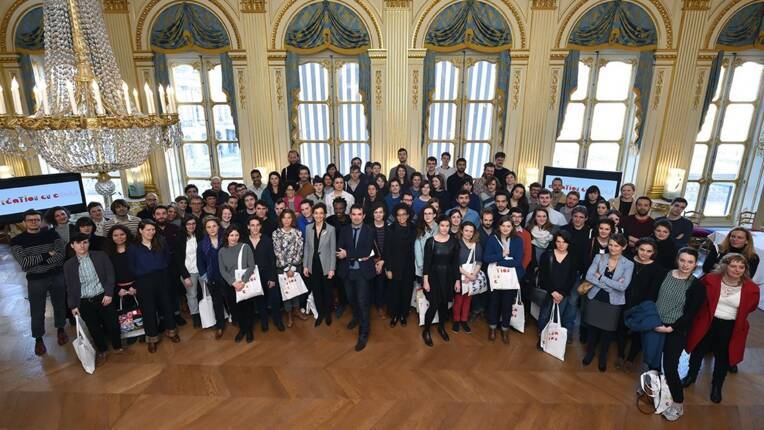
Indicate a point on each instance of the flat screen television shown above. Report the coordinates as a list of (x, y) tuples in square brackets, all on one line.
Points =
[(608, 182), (40, 193)]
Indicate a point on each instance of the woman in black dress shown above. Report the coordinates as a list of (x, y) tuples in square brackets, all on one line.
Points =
[(666, 249), (441, 277), (118, 238), (398, 255)]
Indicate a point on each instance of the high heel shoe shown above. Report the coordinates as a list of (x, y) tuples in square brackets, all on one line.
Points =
[(239, 336), (250, 336), (442, 332), (427, 337), (319, 320), (393, 321)]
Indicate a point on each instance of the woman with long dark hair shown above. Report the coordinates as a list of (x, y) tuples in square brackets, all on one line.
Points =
[(470, 263), (236, 255), (666, 248), (274, 190), (438, 188), (319, 262), (186, 252), (519, 199), (379, 285), (440, 277), (370, 198), (270, 302), (209, 270), (590, 200), (118, 239), (557, 275), (542, 232), (149, 260), (58, 219), (399, 264)]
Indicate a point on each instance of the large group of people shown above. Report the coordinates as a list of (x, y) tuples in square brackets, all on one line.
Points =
[(368, 241)]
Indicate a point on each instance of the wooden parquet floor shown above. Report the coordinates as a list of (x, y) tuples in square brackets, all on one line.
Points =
[(311, 377)]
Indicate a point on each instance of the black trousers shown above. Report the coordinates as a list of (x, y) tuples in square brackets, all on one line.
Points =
[(101, 322), (399, 297), (242, 312), (716, 340), (216, 290), (269, 304), (359, 293), (500, 306), (601, 337), (379, 289), (441, 308), (672, 350), (153, 293), (322, 293)]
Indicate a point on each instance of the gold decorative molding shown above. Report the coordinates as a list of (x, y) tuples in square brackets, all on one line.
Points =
[(238, 57), (398, 4), (252, 6), (557, 57), (276, 55), (658, 89), (696, 4), (152, 4), (519, 55), (715, 21), (242, 89), (415, 87), (544, 4), (5, 23), (279, 89), (665, 17), (378, 88), (706, 57), (9, 58), (515, 89), (508, 3), (115, 6), (665, 55), (553, 88), (698, 89)]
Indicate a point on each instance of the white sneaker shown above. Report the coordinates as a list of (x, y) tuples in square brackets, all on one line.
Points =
[(674, 412)]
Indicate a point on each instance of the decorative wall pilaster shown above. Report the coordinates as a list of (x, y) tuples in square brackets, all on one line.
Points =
[(397, 19), (416, 98), (379, 83), (279, 114), (685, 97), (515, 108)]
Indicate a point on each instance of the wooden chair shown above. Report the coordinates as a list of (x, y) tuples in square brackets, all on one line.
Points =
[(746, 218)]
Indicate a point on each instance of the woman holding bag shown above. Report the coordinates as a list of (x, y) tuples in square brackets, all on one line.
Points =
[(440, 277), (118, 239), (209, 270), (185, 260), (558, 273), (470, 258), (265, 260), (235, 257), (610, 276), (505, 249), (287, 245), (319, 262)]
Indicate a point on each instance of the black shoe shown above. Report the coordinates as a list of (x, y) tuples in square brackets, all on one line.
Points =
[(733, 369), (393, 321), (587, 360), (179, 320), (196, 320), (280, 326), (239, 336), (688, 380), (716, 393), (360, 345), (602, 366), (455, 327), (319, 320), (466, 327), (340, 311), (427, 337), (442, 332), (250, 336), (538, 345), (264, 326), (352, 324), (403, 321)]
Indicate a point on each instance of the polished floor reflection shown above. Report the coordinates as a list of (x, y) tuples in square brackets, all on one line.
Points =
[(312, 378)]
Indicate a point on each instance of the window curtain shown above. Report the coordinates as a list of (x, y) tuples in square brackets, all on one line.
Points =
[(29, 40), (189, 27), (616, 24), (713, 81), (316, 28), (472, 25), (744, 30)]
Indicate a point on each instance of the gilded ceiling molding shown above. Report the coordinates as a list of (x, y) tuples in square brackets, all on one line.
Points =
[(115, 6), (252, 6), (220, 7), (665, 17), (696, 5), (398, 4), (544, 4), (510, 5), (5, 23), (361, 3), (717, 19)]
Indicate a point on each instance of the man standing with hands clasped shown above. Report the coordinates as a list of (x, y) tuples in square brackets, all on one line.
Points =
[(356, 268)]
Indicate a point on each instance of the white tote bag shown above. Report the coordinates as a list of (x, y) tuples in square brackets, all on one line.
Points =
[(206, 308), (502, 278), (310, 306), (252, 287), (468, 267), (83, 347), (554, 337), (655, 386), (291, 287), (422, 304), (518, 315)]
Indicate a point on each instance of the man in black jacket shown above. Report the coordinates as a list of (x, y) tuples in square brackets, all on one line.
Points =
[(356, 267)]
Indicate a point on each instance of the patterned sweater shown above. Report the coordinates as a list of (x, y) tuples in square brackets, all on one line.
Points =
[(31, 251), (288, 248)]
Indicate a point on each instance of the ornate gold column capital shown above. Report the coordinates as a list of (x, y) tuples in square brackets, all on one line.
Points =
[(696, 4), (398, 4), (252, 6), (115, 6), (544, 4)]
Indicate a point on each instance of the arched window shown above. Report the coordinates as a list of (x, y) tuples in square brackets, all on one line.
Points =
[(328, 86), (30, 44), (731, 125), (466, 76), (606, 87), (191, 47)]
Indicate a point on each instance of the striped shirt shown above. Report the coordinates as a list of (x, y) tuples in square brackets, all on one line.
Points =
[(32, 252), (90, 284), (131, 223)]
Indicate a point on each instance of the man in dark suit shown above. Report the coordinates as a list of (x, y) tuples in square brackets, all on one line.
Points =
[(356, 268)]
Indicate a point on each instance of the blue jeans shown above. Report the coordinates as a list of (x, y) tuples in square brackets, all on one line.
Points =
[(567, 313)]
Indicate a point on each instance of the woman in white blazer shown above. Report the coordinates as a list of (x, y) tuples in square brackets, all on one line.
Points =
[(319, 262)]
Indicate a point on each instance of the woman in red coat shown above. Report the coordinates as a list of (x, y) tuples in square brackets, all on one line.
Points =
[(721, 324)]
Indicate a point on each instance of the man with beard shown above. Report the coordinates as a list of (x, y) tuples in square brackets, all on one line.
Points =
[(291, 173), (403, 156), (257, 183), (641, 223), (681, 227), (150, 202), (545, 202), (500, 171), (454, 182), (500, 207), (243, 216), (121, 216), (479, 185), (571, 201), (305, 186), (170, 232)]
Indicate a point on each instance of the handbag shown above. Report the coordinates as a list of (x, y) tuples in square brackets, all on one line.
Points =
[(252, 287), (422, 304), (291, 287), (310, 306), (517, 321), (480, 284), (585, 286), (502, 278), (130, 321), (554, 336), (83, 347), (206, 308), (601, 315)]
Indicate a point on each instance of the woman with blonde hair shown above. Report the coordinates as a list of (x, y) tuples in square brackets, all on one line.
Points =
[(739, 240)]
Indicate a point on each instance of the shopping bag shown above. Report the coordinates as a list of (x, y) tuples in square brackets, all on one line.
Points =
[(422, 305), (206, 308), (83, 347), (252, 287), (518, 315), (554, 337), (291, 287), (310, 306), (130, 321), (414, 300), (654, 385), (502, 278)]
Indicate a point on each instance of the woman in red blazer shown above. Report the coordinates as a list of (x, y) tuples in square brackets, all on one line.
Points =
[(721, 324)]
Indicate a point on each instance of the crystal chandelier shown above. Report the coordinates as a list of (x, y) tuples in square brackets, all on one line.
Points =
[(86, 118)]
